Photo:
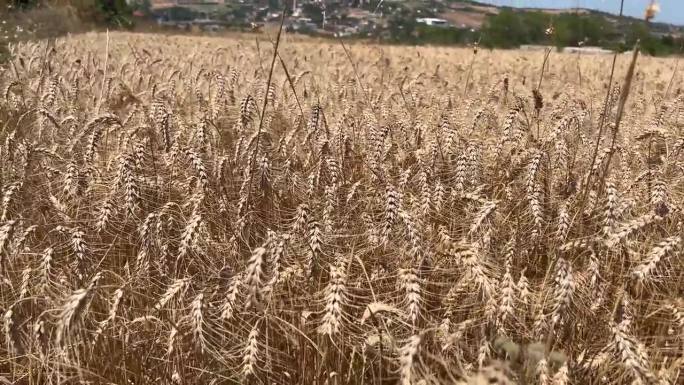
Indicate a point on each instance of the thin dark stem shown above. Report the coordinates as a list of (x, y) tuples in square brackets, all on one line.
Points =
[(261, 66), (470, 67), (104, 75), (674, 75), (541, 75), (579, 68), (289, 81), (585, 189), (263, 108), (620, 111), (356, 73)]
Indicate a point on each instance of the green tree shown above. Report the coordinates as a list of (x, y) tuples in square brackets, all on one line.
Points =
[(535, 25), (649, 44), (442, 36), (402, 26), (142, 5), (503, 30), (510, 29), (115, 12), (22, 4), (313, 12), (573, 30)]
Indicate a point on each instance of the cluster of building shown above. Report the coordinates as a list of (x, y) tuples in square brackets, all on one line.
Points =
[(334, 17), (326, 17)]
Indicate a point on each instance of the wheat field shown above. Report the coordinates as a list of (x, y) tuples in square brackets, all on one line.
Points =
[(172, 214)]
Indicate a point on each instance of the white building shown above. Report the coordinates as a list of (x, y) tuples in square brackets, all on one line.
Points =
[(588, 50), (435, 22)]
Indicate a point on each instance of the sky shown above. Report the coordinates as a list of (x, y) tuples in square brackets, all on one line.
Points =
[(671, 11)]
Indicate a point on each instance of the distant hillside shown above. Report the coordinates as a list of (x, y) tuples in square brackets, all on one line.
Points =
[(472, 14)]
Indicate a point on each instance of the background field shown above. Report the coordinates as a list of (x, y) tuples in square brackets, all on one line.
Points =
[(172, 213)]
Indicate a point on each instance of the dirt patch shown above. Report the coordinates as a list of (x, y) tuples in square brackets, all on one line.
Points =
[(474, 7), (464, 19)]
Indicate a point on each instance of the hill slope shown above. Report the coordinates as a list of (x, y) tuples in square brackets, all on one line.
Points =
[(472, 14)]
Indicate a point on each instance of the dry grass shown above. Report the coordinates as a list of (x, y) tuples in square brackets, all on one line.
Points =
[(371, 225)]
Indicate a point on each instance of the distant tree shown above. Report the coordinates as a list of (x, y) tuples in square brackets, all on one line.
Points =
[(141, 5), (573, 30), (535, 25), (115, 12), (442, 36), (22, 4), (112, 12), (313, 12), (180, 14), (510, 29), (503, 30), (401, 25)]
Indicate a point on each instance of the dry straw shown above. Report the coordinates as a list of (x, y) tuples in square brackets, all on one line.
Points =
[(338, 217)]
